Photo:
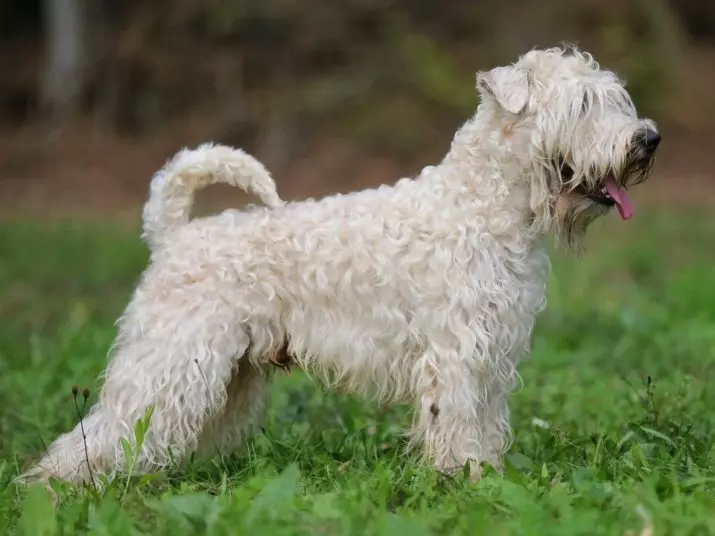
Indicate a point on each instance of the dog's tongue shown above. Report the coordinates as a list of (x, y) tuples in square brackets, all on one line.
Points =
[(619, 195)]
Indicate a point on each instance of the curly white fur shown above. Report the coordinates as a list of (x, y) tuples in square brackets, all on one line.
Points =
[(424, 291)]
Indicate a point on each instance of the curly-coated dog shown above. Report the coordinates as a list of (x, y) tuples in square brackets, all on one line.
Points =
[(424, 291)]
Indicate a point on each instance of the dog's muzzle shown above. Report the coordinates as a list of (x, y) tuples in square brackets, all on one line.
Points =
[(612, 188)]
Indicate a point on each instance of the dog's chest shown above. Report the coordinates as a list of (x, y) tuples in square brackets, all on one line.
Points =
[(510, 292)]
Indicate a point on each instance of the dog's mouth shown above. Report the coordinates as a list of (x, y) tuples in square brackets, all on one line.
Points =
[(610, 193)]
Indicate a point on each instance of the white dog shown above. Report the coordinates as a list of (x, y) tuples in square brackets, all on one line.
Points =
[(425, 291)]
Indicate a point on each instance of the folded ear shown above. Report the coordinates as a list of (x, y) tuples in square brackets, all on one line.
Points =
[(509, 86)]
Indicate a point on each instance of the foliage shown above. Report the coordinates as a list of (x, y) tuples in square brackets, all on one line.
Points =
[(355, 69)]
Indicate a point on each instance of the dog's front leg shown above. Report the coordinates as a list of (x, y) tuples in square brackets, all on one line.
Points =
[(453, 416)]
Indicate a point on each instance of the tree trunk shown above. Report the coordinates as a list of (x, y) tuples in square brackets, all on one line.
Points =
[(63, 80)]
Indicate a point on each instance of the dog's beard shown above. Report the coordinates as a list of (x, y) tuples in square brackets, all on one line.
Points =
[(638, 168), (577, 205), (573, 213)]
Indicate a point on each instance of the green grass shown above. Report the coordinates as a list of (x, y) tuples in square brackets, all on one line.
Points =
[(620, 451)]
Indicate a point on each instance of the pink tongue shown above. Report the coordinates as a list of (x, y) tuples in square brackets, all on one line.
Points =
[(619, 195)]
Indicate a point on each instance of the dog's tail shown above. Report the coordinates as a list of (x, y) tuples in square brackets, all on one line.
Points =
[(172, 188)]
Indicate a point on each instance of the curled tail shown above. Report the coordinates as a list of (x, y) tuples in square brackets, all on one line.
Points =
[(172, 187)]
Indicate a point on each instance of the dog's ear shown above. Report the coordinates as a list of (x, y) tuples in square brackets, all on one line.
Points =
[(509, 86)]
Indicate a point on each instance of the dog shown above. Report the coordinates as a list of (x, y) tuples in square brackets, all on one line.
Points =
[(424, 291)]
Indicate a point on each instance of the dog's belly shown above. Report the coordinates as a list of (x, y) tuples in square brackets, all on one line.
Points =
[(374, 357)]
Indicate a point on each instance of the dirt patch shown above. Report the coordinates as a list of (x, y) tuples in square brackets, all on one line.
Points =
[(81, 173)]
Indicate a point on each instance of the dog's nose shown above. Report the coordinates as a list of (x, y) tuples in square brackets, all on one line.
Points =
[(651, 140)]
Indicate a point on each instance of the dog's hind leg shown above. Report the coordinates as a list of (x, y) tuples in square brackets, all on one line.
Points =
[(244, 411), (181, 367), (68, 456)]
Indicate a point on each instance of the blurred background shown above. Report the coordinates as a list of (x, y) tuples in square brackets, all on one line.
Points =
[(331, 96)]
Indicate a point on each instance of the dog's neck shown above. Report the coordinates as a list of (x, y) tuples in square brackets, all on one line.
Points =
[(499, 188)]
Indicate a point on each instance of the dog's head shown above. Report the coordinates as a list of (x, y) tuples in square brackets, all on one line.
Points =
[(575, 132)]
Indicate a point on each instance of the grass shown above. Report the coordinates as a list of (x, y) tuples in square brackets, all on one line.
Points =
[(614, 424)]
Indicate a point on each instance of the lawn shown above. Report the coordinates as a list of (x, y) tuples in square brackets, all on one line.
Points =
[(614, 426)]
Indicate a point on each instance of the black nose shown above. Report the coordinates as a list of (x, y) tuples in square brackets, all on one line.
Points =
[(651, 140)]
